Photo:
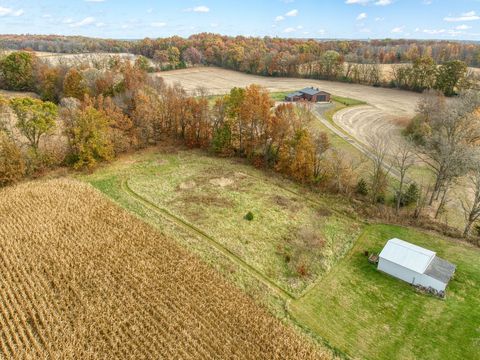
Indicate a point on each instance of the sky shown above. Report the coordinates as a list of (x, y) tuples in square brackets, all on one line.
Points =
[(346, 19)]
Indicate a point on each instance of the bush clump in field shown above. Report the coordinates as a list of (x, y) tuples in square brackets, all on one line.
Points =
[(301, 251), (410, 196), (249, 216), (362, 187), (12, 165)]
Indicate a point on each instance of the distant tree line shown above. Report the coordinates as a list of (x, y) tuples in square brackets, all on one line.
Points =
[(381, 51), (351, 61)]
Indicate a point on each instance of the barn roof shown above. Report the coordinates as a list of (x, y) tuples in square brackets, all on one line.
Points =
[(440, 269), (410, 256)]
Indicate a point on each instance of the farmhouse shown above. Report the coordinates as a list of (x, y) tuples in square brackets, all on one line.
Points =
[(309, 94), (415, 265)]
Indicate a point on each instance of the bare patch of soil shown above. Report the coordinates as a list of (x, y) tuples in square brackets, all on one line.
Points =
[(187, 185), (222, 182)]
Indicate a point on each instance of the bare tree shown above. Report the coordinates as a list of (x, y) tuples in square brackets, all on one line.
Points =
[(454, 131), (380, 169), (403, 160), (471, 205)]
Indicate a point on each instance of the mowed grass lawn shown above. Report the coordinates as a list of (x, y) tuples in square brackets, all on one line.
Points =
[(291, 240), (369, 314)]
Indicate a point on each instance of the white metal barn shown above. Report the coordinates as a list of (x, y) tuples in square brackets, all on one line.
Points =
[(415, 265)]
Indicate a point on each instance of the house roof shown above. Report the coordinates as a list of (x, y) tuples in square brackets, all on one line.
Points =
[(440, 269), (410, 256), (296, 93), (310, 91)]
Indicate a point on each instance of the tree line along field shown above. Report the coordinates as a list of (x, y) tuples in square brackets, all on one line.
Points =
[(81, 278)]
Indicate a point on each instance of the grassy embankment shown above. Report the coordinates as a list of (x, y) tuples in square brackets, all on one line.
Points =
[(371, 315)]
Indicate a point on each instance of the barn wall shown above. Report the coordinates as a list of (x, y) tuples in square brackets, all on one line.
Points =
[(428, 281), (410, 276), (398, 271)]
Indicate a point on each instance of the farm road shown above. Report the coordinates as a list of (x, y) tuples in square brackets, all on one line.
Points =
[(363, 148)]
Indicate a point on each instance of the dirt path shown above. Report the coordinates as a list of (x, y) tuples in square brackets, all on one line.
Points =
[(222, 249)]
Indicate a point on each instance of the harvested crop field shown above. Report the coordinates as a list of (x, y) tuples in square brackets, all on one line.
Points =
[(81, 278), (220, 81), (363, 122)]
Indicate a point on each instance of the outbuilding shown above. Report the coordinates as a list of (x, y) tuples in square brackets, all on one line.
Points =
[(415, 265), (309, 94)]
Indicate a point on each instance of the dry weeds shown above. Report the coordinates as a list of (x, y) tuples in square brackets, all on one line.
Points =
[(81, 278)]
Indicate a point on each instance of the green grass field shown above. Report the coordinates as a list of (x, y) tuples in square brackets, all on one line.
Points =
[(371, 315), (347, 101), (290, 240)]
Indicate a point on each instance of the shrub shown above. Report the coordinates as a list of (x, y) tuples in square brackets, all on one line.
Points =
[(222, 139), (249, 216), (362, 187), (12, 165), (410, 196), (381, 198), (302, 270)]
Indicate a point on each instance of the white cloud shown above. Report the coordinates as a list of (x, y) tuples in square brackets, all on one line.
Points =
[(279, 18), (299, 27), (379, 19), (289, 30), (198, 9), (149, 11), (67, 21), (398, 29), (362, 16), (367, 2), (321, 31), (4, 11), (89, 20), (158, 24), (100, 24), (442, 32), (360, 2), (434, 31), (463, 27), (468, 16), (214, 25), (427, 2), (293, 12)]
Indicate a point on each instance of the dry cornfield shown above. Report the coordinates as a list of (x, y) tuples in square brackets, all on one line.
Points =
[(81, 278)]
